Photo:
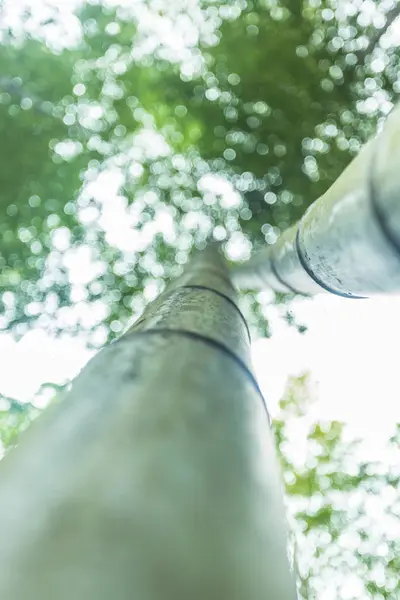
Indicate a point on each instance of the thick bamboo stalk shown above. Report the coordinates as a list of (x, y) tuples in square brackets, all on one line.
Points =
[(156, 478), (348, 242)]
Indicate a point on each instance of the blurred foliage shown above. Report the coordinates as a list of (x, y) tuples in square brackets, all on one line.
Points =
[(344, 509), (133, 132), (15, 417)]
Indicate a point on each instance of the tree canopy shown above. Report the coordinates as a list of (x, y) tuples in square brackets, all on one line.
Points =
[(343, 503), (132, 134)]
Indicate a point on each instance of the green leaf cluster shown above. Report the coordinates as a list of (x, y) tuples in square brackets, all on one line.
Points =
[(132, 144)]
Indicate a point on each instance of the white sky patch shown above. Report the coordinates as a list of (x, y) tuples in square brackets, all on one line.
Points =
[(36, 359), (60, 238), (350, 349), (81, 265), (238, 247), (216, 185), (105, 185), (151, 143)]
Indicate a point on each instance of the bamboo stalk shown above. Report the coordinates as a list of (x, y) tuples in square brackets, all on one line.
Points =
[(348, 241), (156, 478)]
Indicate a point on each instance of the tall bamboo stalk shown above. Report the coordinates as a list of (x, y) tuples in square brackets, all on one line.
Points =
[(348, 242), (156, 478)]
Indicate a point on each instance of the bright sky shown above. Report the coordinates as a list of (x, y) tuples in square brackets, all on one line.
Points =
[(350, 350)]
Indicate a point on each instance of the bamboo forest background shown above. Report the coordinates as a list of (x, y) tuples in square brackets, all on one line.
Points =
[(133, 132)]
